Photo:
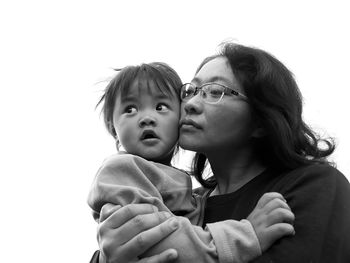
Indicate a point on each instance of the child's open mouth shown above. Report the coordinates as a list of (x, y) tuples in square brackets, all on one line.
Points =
[(149, 135)]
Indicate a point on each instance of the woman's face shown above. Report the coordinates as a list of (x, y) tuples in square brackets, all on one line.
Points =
[(225, 126)]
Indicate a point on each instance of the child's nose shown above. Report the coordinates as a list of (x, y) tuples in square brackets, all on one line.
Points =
[(147, 121)]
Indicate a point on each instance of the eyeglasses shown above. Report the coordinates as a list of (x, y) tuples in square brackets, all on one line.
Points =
[(209, 92)]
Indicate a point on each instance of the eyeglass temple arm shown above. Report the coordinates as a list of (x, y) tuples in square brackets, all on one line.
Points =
[(234, 92)]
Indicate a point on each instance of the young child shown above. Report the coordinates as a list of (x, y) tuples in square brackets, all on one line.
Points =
[(141, 109)]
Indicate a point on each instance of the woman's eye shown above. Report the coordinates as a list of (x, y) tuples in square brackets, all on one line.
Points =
[(130, 109), (162, 107), (215, 93), (215, 90)]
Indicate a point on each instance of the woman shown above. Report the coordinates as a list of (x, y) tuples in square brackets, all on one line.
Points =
[(248, 125)]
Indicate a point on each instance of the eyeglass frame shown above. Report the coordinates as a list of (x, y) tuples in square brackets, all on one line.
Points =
[(200, 89)]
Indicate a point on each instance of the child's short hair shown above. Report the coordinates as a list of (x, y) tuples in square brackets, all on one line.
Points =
[(162, 75)]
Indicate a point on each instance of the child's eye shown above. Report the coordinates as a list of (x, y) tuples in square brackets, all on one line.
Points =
[(130, 109), (162, 107)]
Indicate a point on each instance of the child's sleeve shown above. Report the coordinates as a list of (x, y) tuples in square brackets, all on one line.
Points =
[(227, 241), (124, 179), (235, 241), (127, 179)]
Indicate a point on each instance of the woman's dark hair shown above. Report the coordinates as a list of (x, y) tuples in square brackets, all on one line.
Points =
[(162, 75), (276, 104)]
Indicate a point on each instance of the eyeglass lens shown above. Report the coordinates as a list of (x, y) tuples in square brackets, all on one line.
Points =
[(211, 93)]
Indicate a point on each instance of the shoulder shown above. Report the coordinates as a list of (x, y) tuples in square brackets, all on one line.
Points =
[(320, 182), (201, 191), (122, 159), (315, 173), (318, 168), (126, 161)]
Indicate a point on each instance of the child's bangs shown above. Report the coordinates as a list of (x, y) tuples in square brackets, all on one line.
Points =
[(158, 79), (149, 78), (130, 75)]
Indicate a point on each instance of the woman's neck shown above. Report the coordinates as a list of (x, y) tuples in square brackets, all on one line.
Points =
[(232, 171)]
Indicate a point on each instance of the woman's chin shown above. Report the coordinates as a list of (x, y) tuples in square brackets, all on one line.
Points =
[(188, 143)]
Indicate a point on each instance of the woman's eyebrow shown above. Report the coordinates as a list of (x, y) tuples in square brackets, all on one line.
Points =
[(219, 79), (212, 79), (195, 79)]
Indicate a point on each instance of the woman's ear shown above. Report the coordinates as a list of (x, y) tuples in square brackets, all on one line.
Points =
[(258, 133)]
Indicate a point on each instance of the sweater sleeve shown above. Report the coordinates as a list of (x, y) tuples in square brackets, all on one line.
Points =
[(125, 179), (227, 241), (319, 196), (235, 241)]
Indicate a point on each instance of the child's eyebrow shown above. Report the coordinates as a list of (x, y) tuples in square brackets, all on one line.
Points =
[(129, 98), (162, 96), (133, 98)]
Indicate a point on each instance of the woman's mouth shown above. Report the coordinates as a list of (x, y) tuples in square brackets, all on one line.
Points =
[(188, 123)]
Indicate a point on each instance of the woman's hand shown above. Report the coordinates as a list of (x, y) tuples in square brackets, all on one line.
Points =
[(125, 233)]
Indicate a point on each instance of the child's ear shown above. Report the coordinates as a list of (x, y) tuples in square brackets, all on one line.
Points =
[(259, 133), (110, 128), (117, 144)]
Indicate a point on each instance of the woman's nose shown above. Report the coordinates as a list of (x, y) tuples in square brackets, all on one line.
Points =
[(147, 121), (193, 105)]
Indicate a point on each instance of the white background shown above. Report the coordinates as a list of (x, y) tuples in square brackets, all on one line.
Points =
[(53, 55)]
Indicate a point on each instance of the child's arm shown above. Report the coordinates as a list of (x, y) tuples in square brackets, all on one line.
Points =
[(128, 179), (186, 240), (270, 220), (125, 182)]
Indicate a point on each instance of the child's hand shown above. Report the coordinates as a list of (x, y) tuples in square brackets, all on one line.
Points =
[(271, 219)]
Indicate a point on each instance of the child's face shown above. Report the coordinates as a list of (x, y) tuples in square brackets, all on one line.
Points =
[(146, 121)]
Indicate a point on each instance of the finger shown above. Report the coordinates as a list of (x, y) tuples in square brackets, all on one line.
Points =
[(268, 197), (124, 214), (274, 233), (127, 231), (139, 224), (280, 230), (145, 240), (275, 204), (112, 246), (107, 210), (280, 215), (168, 256)]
